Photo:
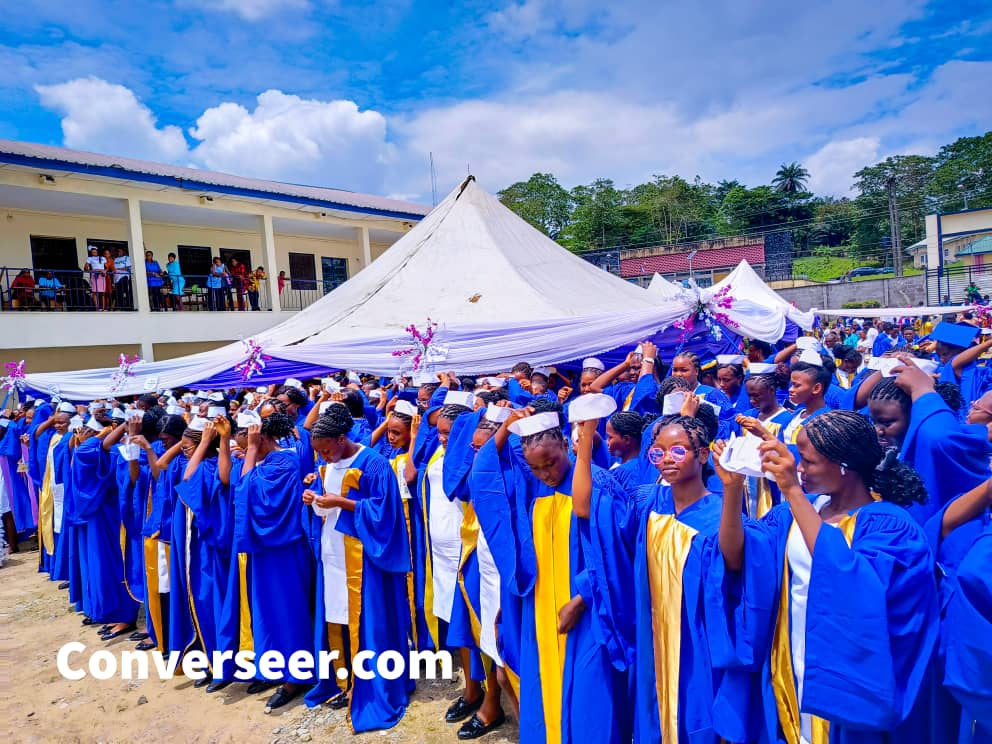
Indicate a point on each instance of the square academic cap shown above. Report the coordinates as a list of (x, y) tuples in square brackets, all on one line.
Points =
[(955, 334)]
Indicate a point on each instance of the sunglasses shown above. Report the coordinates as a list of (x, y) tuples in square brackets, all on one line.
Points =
[(657, 454)]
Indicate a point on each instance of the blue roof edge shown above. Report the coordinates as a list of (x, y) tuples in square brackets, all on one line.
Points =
[(193, 185)]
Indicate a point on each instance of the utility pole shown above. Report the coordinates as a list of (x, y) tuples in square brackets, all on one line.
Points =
[(890, 185)]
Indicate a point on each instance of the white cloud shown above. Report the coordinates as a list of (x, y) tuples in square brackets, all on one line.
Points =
[(254, 10), (102, 116), (288, 138), (832, 167)]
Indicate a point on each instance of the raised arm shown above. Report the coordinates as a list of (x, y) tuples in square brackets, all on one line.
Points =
[(969, 355), (606, 379), (966, 507), (209, 432), (46, 424), (116, 434), (582, 474), (410, 468), (224, 451), (785, 355), (251, 454), (777, 460), (732, 515)]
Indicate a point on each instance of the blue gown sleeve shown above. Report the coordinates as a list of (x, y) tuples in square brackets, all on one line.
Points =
[(883, 585), (459, 455), (92, 476), (202, 494), (267, 513)]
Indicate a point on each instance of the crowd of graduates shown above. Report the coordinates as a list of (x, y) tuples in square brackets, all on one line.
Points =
[(791, 544)]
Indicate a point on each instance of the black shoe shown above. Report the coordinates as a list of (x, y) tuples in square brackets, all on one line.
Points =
[(461, 709), (473, 728), (137, 636), (87, 621), (259, 685), (339, 702), (110, 636), (64, 585), (145, 645), (217, 685), (203, 681), (281, 697)]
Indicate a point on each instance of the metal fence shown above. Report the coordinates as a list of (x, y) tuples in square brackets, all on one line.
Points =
[(955, 284)]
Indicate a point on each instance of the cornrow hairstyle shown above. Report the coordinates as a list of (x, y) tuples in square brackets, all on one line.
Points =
[(522, 367), (692, 357), (486, 396), (771, 380), (355, 403), (467, 383), (673, 384), (278, 426), (823, 374), (335, 422), (888, 390), (709, 418), (951, 394), (149, 424), (453, 411), (197, 436), (401, 417), (430, 387), (736, 369), (763, 346), (699, 432), (487, 425), (173, 425), (548, 435), (628, 424), (848, 439)]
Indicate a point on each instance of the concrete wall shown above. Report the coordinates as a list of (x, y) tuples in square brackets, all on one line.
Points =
[(895, 292)]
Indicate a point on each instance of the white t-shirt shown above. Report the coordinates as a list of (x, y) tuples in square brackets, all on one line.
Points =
[(97, 263), (122, 266)]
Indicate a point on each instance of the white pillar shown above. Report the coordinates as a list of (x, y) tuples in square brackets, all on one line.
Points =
[(139, 279), (365, 245), (272, 270)]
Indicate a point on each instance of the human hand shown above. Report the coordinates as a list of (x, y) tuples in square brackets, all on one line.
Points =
[(777, 461), (570, 614)]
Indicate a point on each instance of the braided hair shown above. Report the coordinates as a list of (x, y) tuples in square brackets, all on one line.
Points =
[(453, 411), (821, 373), (628, 424), (546, 405), (278, 426), (951, 395), (849, 439), (763, 347), (555, 436), (699, 432), (335, 422), (888, 390)]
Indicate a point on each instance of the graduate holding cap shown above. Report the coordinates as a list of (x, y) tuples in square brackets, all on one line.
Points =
[(570, 656), (959, 355)]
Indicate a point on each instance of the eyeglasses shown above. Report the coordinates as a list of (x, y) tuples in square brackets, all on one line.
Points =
[(657, 454)]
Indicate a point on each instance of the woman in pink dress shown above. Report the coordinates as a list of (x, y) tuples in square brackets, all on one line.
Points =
[(96, 265)]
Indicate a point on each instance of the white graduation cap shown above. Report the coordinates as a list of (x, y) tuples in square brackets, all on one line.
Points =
[(807, 342), (97, 405), (639, 350), (375, 394), (94, 425), (75, 423), (353, 377), (497, 414), (189, 397), (171, 401), (424, 378), (4, 422), (167, 393), (811, 356), (459, 398), (927, 365), (406, 408), (729, 358), (215, 411), (66, 408), (262, 389), (741, 455), (535, 424), (591, 406), (129, 452), (327, 404), (544, 371), (331, 384), (293, 382), (593, 363), (202, 395), (217, 397), (762, 368), (118, 415), (496, 382), (174, 410), (197, 424), (248, 418), (672, 403)]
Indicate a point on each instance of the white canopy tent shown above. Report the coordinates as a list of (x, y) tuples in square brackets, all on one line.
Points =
[(895, 312), (756, 309), (500, 290)]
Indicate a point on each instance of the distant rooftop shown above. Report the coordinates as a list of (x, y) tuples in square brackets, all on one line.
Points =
[(979, 247), (77, 161)]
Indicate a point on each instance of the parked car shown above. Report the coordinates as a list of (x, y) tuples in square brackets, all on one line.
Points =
[(867, 271)]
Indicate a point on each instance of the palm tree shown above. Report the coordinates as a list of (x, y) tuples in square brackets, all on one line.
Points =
[(790, 178)]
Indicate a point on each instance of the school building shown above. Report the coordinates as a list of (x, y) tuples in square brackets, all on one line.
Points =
[(55, 203)]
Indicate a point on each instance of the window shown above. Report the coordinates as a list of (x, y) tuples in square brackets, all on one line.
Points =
[(244, 257), (194, 262), (56, 254), (334, 272), (302, 271)]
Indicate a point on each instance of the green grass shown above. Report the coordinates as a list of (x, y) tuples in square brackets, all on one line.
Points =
[(822, 268)]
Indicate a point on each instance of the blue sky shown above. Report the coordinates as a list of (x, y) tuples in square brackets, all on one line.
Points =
[(356, 95)]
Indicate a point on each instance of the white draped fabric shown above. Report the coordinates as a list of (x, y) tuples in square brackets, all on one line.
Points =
[(895, 312)]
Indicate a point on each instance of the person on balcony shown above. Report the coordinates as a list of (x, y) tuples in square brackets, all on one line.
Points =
[(123, 293), (96, 265), (255, 280), (177, 283), (218, 280), (48, 294), (155, 281), (22, 290), (239, 278)]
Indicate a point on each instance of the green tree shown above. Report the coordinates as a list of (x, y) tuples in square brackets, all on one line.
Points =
[(541, 201), (833, 222), (668, 210), (963, 174), (597, 219), (751, 210), (791, 178)]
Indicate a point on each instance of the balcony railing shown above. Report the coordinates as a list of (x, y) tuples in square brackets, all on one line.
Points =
[(31, 290)]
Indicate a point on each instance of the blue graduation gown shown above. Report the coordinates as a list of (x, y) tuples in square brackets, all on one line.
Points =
[(378, 560), (545, 555), (268, 526), (950, 458), (968, 650), (669, 560), (60, 565), (156, 528), (20, 498), (865, 684), (105, 597), (182, 630), (131, 507)]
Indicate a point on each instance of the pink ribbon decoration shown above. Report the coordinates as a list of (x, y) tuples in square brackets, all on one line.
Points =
[(424, 347), (14, 377), (254, 360), (123, 371)]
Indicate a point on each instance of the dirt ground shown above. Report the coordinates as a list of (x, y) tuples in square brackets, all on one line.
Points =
[(38, 705)]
